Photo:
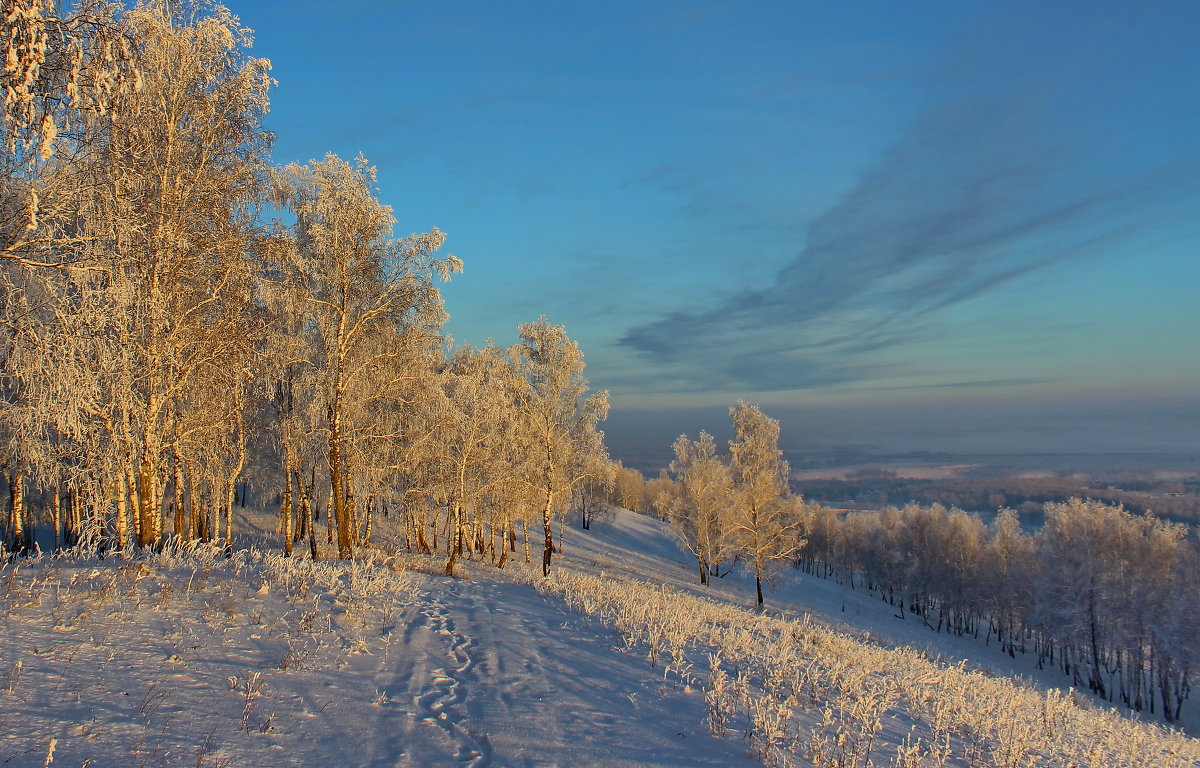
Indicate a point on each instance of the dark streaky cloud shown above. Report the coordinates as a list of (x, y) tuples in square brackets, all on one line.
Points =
[(973, 198), (991, 184)]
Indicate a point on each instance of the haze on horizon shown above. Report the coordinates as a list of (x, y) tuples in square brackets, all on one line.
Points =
[(933, 221)]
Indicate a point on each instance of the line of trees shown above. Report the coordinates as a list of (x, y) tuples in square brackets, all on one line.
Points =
[(1106, 595), (164, 348), (1169, 500)]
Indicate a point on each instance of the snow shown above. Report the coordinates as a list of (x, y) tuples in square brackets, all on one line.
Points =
[(198, 660), (191, 658), (640, 546)]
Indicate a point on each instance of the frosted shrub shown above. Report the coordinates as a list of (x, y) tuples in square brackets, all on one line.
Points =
[(909, 753), (770, 732)]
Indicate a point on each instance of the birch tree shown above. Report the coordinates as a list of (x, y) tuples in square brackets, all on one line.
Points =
[(1009, 562), (154, 227), (766, 524), (629, 489), (374, 306), (592, 495), (560, 419), (476, 424), (1075, 563), (187, 156), (66, 70), (700, 507)]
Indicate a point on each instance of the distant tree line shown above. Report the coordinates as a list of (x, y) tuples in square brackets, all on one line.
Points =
[(164, 350), (1106, 595), (1172, 501)]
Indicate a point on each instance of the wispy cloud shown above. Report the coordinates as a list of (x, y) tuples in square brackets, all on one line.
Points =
[(977, 194)]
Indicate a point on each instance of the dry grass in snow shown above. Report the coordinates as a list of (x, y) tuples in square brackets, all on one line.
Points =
[(189, 657), (802, 694)]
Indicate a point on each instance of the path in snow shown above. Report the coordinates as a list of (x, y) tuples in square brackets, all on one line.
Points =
[(443, 699), (219, 662), (496, 674)]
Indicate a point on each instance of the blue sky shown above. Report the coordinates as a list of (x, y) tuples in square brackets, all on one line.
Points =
[(860, 207)]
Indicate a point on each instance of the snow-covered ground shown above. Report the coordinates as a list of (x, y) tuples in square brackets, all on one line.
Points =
[(191, 658), (641, 546), (258, 660)]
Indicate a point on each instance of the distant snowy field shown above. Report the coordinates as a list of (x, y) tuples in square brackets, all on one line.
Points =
[(191, 658)]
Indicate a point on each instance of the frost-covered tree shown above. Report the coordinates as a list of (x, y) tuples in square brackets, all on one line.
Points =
[(145, 306), (1075, 563), (187, 153), (657, 493), (67, 70), (699, 509), (161, 346), (1008, 567), (592, 495), (375, 312), (766, 522), (1098, 591), (559, 419), (629, 489), (470, 456)]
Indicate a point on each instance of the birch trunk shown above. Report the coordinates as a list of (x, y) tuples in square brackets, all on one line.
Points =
[(285, 510), (22, 532), (180, 522), (56, 502)]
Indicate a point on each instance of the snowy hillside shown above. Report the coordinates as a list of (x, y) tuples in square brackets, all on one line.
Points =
[(640, 546), (191, 658), (195, 659)]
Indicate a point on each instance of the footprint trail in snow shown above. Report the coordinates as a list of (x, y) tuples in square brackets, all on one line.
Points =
[(443, 705)]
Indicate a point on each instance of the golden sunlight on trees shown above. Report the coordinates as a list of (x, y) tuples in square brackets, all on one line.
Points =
[(142, 309), (472, 458), (66, 75), (738, 506), (700, 509), (166, 354), (373, 314), (766, 524), (560, 417)]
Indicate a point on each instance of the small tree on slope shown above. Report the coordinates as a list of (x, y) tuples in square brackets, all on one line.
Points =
[(766, 521), (699, 507), (560, 421)]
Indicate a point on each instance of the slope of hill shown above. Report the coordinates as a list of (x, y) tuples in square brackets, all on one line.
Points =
[(189, 657), (639, 546)]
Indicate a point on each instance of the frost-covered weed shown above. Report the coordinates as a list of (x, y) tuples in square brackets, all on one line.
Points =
[(806, 692), (719, 697), (248, 689)]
